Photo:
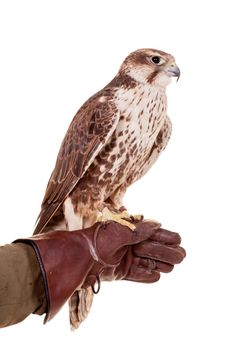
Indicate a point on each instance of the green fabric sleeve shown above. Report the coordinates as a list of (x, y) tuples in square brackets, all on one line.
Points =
[(21, 284)]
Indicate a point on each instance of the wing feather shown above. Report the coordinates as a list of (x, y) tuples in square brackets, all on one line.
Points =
[(87, 134)]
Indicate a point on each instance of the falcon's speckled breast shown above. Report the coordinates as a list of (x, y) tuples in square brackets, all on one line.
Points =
[(126, 155)]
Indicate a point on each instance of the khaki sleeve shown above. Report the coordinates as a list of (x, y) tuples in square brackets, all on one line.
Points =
[(21, 284)]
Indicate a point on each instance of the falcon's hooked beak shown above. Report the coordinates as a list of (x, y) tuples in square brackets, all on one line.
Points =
[(173, 71)]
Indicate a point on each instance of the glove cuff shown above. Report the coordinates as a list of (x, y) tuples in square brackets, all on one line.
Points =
[(64, 261)]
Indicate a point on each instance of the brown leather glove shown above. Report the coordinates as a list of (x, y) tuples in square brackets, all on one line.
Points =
[(104, 252)]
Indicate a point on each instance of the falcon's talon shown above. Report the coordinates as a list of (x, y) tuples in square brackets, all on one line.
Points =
[(104, 225), (132, 218), (126, 223), (121, 218)]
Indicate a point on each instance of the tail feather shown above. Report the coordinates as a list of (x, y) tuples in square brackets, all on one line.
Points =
[(43, 218), (80, 304)]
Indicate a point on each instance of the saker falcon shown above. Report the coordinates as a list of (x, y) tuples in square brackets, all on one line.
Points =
[(113, 140)]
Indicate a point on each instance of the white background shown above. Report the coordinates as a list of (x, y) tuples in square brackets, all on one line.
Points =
[(54, 55)]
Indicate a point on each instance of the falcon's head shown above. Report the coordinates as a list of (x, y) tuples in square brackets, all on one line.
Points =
[(150, 66)]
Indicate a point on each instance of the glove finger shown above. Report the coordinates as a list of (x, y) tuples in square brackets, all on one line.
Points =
[(164, 267), (152, 264), (166, 237), (157, 251), (149, 264), (140, 274)]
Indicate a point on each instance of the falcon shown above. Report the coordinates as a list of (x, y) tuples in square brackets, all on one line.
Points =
[(113, 140)]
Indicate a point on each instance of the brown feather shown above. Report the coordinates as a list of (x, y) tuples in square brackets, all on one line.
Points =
[(87, 134), (80, 304)]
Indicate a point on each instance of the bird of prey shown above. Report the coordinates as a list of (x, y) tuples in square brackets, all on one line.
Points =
[(113, 140)]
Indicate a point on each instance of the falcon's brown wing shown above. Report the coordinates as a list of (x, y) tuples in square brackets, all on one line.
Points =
[(89, 131)]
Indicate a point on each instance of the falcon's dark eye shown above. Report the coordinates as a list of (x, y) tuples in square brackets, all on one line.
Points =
[(156, 59)]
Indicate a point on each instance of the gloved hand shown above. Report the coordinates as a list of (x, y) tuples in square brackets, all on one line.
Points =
[(138, 255), (104, 252)]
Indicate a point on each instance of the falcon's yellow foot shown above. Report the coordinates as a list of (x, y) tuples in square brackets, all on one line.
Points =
[(122, 218)]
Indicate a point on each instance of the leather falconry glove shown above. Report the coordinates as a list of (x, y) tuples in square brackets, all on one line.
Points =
[(71, 260)]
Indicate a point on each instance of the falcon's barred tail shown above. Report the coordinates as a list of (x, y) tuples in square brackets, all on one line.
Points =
[(80, 305), (80, 302)]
